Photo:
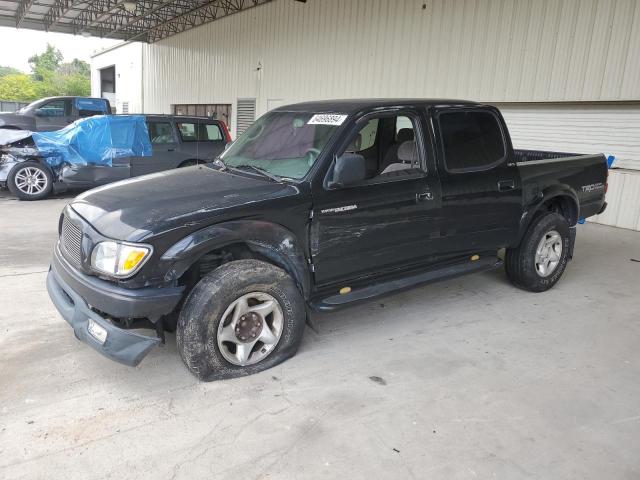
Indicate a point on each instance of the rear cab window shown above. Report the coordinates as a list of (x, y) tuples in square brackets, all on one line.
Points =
[(88, 107), (471, 140)]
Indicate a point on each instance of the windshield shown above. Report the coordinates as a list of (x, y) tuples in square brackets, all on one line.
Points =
[(285, 144)]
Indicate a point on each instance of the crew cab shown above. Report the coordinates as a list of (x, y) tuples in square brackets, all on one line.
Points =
[(54, 113), (316, 206)]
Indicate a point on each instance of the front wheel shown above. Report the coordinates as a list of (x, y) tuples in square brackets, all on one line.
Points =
[(242, 318), (541, 258), (30, 181)]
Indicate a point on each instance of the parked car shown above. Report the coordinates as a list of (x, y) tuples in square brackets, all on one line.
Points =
[(176, 141), (316, 206), (54, 113)]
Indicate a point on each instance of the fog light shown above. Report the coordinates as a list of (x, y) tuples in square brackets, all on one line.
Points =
[(97, 332)]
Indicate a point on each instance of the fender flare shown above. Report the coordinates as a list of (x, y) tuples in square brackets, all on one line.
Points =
[(542, 198), (268, 239)]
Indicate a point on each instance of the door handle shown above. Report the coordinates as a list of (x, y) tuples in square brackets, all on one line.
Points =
[(421, 197), (506, 185), (171, 149)]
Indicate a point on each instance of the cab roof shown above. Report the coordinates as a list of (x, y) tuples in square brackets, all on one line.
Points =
[(350, 106)]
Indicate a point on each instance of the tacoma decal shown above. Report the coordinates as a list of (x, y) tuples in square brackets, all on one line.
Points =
[(346, 208)]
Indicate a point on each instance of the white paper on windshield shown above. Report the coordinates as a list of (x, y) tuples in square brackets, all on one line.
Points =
[(327, 119)]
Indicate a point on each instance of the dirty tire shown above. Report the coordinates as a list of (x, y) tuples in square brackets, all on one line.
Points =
[(520, 261), (197, 330), (43, 173), (188, 163)]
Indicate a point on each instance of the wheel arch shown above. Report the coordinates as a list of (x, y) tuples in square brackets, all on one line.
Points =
[(559, 199), (260, 239), (188, 161)]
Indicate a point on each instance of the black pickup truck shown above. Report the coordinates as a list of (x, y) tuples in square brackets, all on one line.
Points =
[(317, 205), (53, 113)]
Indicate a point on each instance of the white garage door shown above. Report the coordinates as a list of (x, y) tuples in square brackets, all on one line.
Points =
[(609, 129)]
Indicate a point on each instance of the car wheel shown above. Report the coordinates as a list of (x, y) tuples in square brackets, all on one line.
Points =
[(242, 318), (188, 163), (30, 181), (541, 258)]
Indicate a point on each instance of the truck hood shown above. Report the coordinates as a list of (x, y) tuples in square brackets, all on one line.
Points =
[(142, 207), (15, 120)]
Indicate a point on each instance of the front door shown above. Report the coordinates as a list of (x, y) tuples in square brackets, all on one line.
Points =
[(481, 187), (200, 140), (388, 220), (54, 115)]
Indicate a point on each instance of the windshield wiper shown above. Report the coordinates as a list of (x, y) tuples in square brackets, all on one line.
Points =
[(261, 171)]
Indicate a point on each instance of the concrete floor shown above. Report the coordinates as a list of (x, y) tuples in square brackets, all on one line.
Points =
[(478, 380)]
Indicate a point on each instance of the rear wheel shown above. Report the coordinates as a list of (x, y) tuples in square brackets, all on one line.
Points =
[(242, 318), (541, 258), (30, 181)]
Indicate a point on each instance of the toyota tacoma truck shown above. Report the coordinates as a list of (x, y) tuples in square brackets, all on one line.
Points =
[(316, 206)]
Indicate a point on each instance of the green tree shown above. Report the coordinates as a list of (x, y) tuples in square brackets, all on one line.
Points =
[(74, 67), (18, 87), (50, 77), (48, 61)]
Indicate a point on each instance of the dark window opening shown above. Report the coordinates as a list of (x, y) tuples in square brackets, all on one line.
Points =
[(470, 140)]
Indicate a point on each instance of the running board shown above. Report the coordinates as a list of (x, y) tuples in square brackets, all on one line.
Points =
[(400, 284)]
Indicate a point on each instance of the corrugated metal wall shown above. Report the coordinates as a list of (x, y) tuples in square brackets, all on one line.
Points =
[(488, 50), (623, 200), (609, 129)]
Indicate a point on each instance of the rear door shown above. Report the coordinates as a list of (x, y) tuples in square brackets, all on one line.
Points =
[(385, 222), (481, 186), (165, 148), (200, 140)]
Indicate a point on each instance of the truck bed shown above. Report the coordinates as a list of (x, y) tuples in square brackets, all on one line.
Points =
[(533, 155), (585, 175)]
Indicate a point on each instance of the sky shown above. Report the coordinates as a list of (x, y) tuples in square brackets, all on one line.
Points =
[(19, 45)]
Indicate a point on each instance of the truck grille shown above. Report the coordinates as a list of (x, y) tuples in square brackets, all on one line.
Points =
[(71, 240)]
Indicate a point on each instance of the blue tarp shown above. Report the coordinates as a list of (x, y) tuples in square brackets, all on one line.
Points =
[(95, 140)]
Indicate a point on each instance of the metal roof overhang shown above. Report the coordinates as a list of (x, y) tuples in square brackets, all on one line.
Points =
[(134, 20)]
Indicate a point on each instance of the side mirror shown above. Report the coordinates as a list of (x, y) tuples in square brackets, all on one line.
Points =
[(40, 113), (349, 169)]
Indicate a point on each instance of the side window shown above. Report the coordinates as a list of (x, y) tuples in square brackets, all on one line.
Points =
[(210, 133), (55, 108), (387, 144), (470, 140), (160, 132), (187, 132)]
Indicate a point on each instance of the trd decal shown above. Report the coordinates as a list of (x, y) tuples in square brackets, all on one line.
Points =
[(593, 187)]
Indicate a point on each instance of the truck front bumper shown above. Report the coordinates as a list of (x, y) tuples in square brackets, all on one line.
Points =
[(72, 294)]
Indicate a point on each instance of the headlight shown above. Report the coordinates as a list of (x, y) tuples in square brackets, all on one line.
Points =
[(119, 259)]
